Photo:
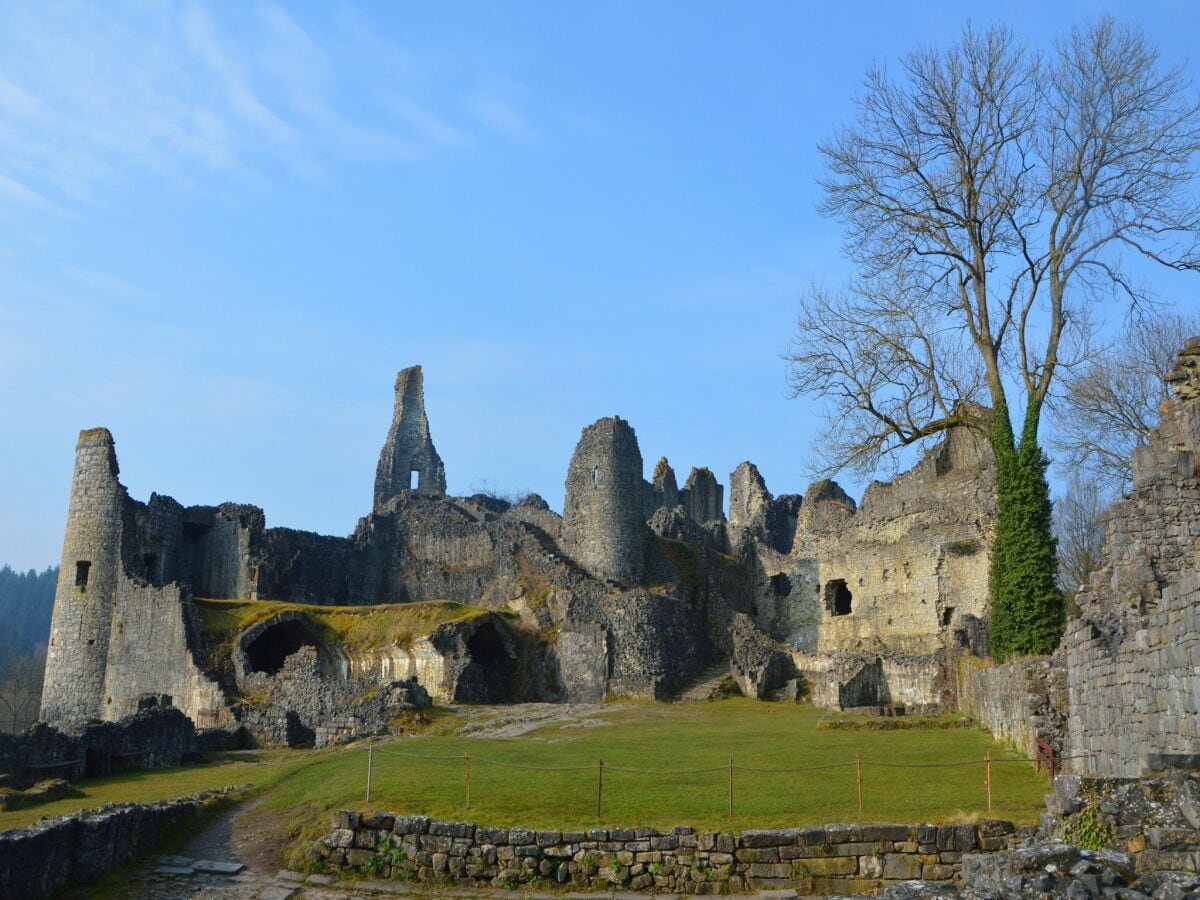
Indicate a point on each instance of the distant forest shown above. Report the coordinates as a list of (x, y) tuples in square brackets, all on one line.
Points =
[(26, 600)]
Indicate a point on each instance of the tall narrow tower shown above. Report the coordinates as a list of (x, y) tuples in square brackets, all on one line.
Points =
[(87, 584), (603, 523), (408, 460)]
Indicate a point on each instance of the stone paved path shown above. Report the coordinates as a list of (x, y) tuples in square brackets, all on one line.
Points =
[(184, 878)]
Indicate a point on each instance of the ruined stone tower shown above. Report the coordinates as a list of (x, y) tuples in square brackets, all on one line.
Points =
[(749, 499), (603, 527), (77, 657), (703, 496), (408, 460)]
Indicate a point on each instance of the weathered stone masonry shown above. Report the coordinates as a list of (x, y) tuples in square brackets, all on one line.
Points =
[(1133, 655), (834, 859), (633, 590)]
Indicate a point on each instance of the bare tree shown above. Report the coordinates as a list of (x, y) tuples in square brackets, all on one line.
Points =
[(989, 196), (20, 692), (1079, 527), (1111, 401)]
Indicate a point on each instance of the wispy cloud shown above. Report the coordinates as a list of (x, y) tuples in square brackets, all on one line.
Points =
[(91, 95)]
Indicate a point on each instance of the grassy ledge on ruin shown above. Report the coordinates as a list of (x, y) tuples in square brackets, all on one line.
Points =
[(353, 628)]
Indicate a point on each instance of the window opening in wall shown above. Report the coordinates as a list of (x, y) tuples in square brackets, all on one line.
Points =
[(151, 561), (781, 584), (838, 597), (595, 475), (81, 573), (414, 479), (947, 615)]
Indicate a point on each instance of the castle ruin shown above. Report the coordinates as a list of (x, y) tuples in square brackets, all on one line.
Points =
[(637, 588)]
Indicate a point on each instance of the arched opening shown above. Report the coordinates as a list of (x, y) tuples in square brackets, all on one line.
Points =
[(267, 652), (488, 676), (838, 599)]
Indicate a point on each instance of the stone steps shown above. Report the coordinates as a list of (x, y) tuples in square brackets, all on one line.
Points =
[(706, 683)]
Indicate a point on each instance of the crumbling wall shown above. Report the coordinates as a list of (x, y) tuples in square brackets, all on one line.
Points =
[(603, 525), (408, 451), (302, 706), (703, 497), (898, 573), (1018, 701), (1133, 655)]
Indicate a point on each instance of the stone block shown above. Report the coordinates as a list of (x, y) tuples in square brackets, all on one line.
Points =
[(413, 825), (901, 866), (768, 838), (825, 867), (879, 832)]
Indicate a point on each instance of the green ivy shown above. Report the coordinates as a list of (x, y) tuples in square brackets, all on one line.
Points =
[(1088, 830), (1027, 606)]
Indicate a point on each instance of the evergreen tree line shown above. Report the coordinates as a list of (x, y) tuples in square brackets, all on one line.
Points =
[(26, 602)]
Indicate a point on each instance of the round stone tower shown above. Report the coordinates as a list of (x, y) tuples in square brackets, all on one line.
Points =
[(87, 584), (603, 524)]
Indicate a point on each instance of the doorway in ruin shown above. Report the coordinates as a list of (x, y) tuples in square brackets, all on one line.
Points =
[(488, 676), (268, 651), (838, 599)]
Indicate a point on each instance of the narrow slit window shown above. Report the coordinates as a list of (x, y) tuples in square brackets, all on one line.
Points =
[(82, 568), (595, 475), (151, 562), (414, 479)]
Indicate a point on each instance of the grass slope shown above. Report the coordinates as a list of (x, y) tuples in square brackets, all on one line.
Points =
[(673, 738), (301, 787)]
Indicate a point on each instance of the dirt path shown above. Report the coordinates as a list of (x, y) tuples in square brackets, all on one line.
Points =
[(522, 718)]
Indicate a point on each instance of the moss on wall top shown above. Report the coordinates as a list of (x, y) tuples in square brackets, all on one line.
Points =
[(352, 628)]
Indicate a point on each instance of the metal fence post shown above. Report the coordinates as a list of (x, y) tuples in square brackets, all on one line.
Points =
[(468, 757), (731, 787), (600, 791), (370, 760), (858, 768)]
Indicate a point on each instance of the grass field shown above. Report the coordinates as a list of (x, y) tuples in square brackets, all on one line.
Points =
[(301, 787)]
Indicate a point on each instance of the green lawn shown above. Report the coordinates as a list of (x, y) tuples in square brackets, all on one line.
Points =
[(260, 770), (302, 787), (675, 738)]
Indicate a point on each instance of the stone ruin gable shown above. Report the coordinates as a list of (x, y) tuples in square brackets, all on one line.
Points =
[(118, 630), (755, 513), (902, 572), (409, 448), (1133, 655), (603, 525), (663, 491), (702, 496)]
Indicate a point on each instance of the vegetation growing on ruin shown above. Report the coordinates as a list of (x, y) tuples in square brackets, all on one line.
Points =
[(350, 627), (1027, 606), (686, 560)]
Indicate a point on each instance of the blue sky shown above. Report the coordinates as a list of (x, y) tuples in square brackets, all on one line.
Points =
[(224, 227)]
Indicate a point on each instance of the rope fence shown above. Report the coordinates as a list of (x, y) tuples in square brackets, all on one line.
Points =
[(600, 767)]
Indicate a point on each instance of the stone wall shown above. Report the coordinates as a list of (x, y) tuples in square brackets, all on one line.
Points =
[(1018, 701), (77, 849), (299, 706), (836, 859), (154, 738), (1133, 654)]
